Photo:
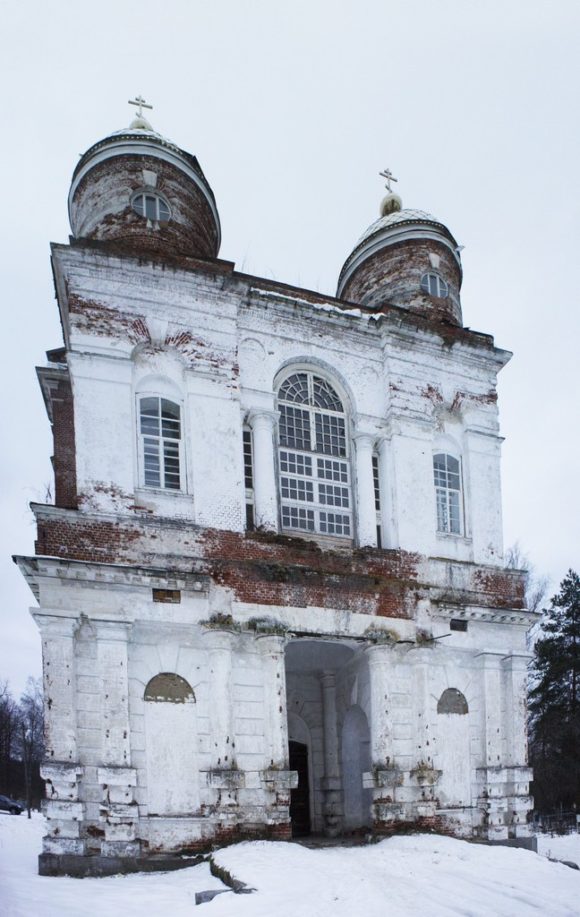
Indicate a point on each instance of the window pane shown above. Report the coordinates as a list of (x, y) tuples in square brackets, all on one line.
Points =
[(376, 483), (330, 434), (138, 205), (163, 210), (331, 495), (332, 471), (294, 517), (454, 515), (248, 465), (170, 424), (171, 465), (295, 389), (294, 427), (441, 510), (150, 207), (151, 462), (294, 463), (334, 524), (296, 489), (324, 395)]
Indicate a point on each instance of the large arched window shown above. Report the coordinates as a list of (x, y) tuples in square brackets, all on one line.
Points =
[(160, 442), (447, 475), (315, 489)]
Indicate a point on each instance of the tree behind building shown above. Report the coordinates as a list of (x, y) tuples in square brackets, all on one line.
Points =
[(555, 702)]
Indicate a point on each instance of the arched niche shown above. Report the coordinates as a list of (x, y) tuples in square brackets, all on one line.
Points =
[(171, 746), (170, 688), (452, 701), (454, 787)]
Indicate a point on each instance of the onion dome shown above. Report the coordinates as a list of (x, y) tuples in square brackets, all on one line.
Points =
[(139, 189), (407, 258)]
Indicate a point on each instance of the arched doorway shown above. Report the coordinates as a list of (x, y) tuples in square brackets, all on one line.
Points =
[(356, 760)]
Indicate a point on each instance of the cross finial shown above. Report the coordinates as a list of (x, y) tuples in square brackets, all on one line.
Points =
[(389, 177), (141, 103)]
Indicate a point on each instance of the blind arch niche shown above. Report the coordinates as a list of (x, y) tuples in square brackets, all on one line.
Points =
[(171, 746)]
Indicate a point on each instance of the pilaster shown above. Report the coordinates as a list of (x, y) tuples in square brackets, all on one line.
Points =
[(63, 809), (117, 779)]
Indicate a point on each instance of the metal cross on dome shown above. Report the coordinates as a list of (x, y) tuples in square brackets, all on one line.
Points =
[(141, 103), (389, 177)]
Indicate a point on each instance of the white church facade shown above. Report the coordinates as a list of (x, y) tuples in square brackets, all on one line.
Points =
[(271, 588)]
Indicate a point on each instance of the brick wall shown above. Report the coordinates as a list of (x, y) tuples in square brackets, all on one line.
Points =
[(64, 459), (269, 569)]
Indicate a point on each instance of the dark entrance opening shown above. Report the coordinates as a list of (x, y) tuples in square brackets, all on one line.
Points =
[(300, 797)]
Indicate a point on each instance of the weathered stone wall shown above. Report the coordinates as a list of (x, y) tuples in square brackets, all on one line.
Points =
[(410, 401)]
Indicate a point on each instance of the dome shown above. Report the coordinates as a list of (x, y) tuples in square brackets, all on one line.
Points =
[(139, 189), (406, 258)]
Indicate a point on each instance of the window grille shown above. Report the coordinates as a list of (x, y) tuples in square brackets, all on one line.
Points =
[(160, 440), (377, 490), (249, 477), (313, 458), (447, 475), (434, 285)]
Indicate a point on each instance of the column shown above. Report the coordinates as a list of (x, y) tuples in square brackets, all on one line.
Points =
[(380, 658), (331, 782), (272, 649), (265, 488), (367, 516)]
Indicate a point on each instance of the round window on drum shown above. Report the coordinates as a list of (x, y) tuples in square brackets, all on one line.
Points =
[(434, 285), (151, 206)]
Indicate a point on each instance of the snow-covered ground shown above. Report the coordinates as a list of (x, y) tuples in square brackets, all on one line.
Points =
[(414, 875)]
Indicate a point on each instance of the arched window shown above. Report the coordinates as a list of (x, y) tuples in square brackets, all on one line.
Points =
[(315, 489), (434, 285), (151, 206), (447, 474), (160, 442)]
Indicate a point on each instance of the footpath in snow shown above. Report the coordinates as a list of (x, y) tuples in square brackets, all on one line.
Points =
[(413, 875)]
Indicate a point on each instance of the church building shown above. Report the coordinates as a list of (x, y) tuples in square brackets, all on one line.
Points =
[(271, 588)]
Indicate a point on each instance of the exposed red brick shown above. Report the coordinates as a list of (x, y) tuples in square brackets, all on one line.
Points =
[(64, 458), (270, 569)]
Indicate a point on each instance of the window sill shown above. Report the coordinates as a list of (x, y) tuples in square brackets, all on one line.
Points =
[(329, 541), (452, 537), (153, 492)]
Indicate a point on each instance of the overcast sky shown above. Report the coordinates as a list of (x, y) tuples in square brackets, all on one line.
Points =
[(292, 110)]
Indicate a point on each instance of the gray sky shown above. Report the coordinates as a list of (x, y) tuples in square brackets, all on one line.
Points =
[(292, 109)]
